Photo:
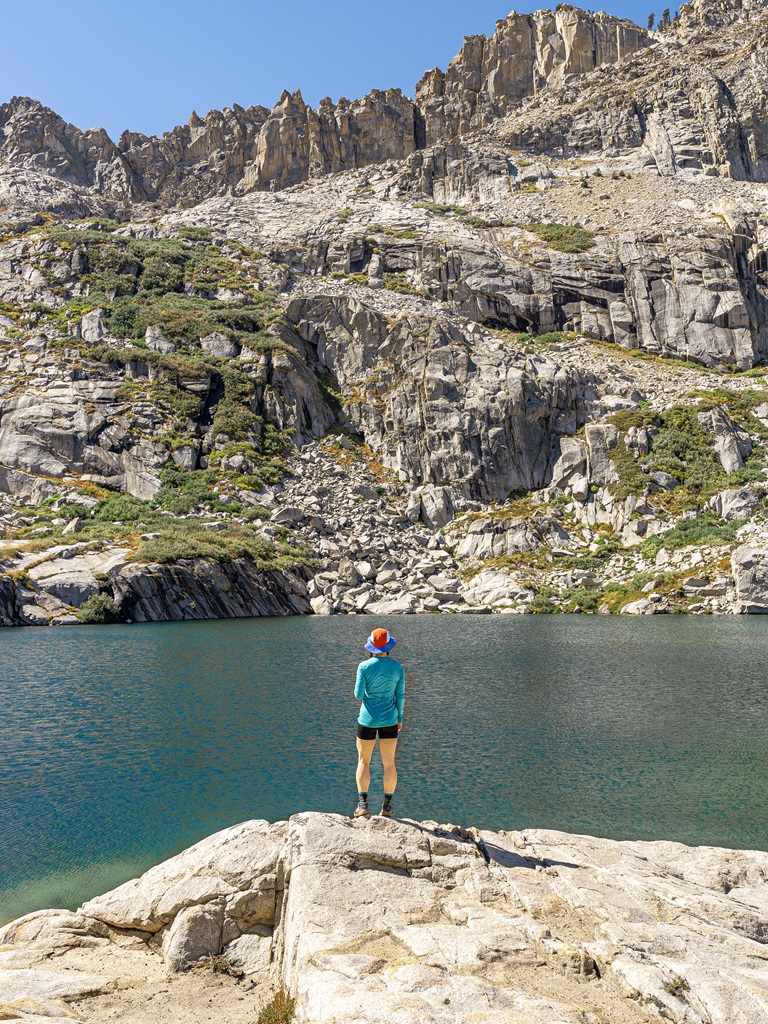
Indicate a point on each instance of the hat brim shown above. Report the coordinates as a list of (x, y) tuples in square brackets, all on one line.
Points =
[(380, 650)]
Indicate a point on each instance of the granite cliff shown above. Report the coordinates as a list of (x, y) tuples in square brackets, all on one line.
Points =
[(499, 347), (388, 920)]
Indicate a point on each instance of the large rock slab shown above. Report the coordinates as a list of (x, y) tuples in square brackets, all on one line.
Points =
[(749, 564), (403, 921)]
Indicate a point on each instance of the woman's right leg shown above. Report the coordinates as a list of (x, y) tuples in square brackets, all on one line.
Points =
[(387, 750), (364, 755)]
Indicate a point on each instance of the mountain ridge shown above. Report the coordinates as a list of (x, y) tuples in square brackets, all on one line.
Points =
[(242, 149), (520, 369)]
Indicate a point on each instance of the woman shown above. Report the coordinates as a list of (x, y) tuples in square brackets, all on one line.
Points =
[(380, 685)]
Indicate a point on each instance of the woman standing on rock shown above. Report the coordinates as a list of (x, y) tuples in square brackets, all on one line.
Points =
[(380, 685)]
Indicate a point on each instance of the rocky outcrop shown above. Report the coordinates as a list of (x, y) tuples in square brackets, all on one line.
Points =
[(438, 406), (49, 588), (749, 564), (526, 54), (487, 537), (205, 589), (395, 919)]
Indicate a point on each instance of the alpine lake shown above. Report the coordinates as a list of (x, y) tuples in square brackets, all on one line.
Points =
[(121, 745)]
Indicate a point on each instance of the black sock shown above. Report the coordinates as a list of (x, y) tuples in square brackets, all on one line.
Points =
[(363, 797), (388, 798)]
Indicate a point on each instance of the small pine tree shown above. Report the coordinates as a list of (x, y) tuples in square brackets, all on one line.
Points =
[(651, 22), (665, 20)]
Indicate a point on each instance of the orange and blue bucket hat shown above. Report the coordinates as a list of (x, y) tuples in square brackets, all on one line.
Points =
[(380, 642)]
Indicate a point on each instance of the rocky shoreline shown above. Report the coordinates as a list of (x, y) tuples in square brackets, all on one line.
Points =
[(396, 920)]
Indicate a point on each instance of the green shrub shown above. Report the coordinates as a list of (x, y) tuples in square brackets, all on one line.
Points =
[(475, 222), (234, 416), (704, 529), (232, 419), (330, 389), (686, 451), (442, 208), (543, 601), (123, 508), (551, 338), (563, 237), (195, 234), (183, 490), (582, 597), (97, 610)]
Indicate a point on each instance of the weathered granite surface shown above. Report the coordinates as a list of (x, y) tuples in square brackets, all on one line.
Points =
[(380, 921)]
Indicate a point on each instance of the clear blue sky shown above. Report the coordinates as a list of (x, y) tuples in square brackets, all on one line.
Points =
[(145, 64)]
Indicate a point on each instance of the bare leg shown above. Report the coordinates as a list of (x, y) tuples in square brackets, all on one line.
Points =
[(364, 755), (387, 750)]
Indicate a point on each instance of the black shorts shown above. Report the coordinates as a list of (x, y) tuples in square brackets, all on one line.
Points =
[(387, 732)]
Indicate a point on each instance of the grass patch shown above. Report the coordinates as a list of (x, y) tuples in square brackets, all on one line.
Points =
[(123, 508), (330, 389), (179, 541), (563, 237), (679, 447), (185, 491), (195, 234), (399, 283), (617, 595)]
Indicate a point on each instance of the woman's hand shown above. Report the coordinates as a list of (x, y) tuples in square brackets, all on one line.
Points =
[(399, 726)]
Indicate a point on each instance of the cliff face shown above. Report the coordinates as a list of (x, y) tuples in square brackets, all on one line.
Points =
[(399, 920), (234, 150), (527, 53)]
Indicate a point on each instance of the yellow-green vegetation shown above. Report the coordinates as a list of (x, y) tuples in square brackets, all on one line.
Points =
[(442, 209), (125, 519), (279, 1010), (404, 233), (543, 341), (740, 406), (345, 214), (399, 283), (563, 237), (186, 540), (234, 415), (330, 389), (97, 610), (706, 528), (681, 448), (170, 283)]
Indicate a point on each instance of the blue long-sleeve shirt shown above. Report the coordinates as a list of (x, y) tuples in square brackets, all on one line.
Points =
[(380, 685)]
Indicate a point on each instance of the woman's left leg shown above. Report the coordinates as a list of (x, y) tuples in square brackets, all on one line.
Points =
[(387, 750)]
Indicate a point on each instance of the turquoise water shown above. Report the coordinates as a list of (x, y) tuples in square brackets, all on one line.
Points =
[(120, 746)]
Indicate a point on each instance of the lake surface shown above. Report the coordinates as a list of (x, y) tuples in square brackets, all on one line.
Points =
[(119, 746)]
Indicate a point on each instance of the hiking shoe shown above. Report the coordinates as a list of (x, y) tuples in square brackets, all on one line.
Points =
[(362, 811), (386, 810)]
